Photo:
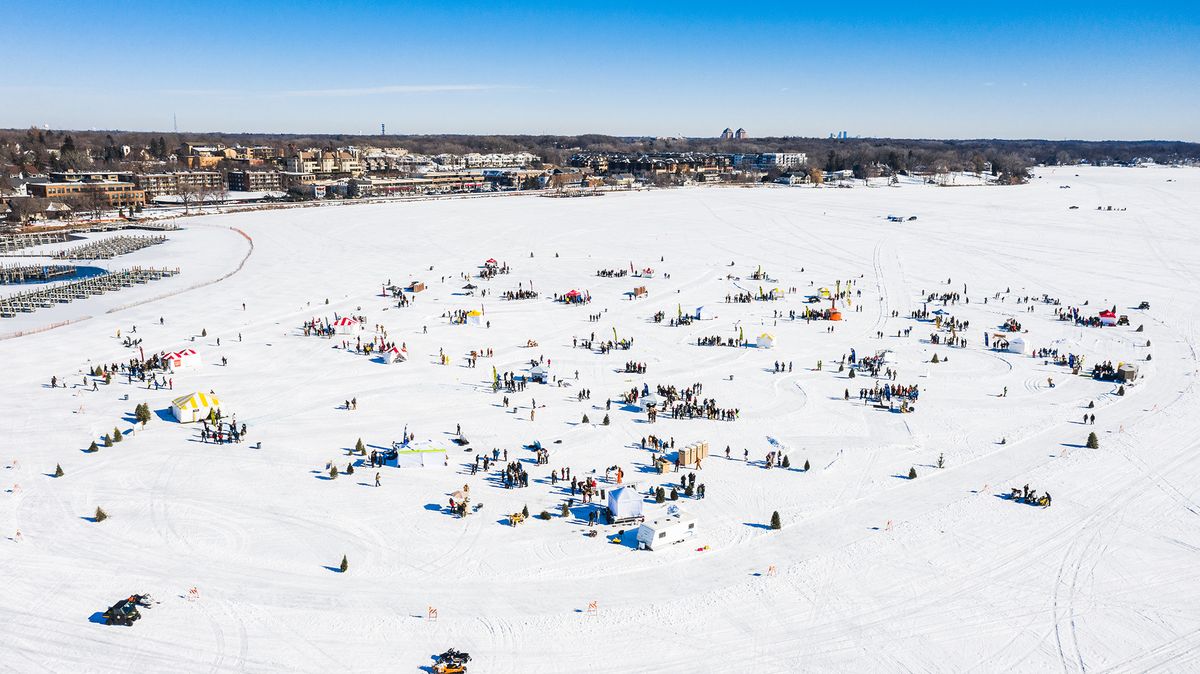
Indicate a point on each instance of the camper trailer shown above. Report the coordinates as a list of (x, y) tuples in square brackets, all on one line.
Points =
[(673, 527)]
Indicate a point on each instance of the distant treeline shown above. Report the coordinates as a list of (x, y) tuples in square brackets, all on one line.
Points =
[(863, 155)]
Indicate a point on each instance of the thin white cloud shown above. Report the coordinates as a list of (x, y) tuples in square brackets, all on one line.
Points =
[(393, 89), (343, 93)]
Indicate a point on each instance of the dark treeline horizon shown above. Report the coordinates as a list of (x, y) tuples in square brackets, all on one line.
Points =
[(1007, 156)]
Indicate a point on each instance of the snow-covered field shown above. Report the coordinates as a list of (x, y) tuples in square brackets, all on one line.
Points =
[(872, 571)]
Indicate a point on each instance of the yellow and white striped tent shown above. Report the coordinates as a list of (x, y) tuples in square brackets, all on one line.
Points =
[(194, 406)]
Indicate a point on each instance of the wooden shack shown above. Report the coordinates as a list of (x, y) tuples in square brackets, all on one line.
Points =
[(639, 291)]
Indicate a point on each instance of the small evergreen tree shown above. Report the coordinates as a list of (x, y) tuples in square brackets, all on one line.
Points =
[(142, 413), (806, 465), (1091, 404), (775, 522), (912, 473), (1121, 390), (92, 447), (787, 463), (360, 447), (117, 435), (941, 460), (344, 565), (585, 420), (333, 472), (566, 510), (100, 514), (545, 514), (58, 471), (659, 495), (204, 332), (935, 359), (852, 375), (689, 490), (525, 511), (107, 440), (674, 494), (1093, 442), (605, 421), (349, 468)]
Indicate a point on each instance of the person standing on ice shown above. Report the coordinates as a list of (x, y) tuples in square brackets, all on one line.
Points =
[(377, 479)]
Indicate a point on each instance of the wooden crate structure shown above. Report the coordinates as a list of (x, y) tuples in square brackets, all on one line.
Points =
[(639, 291)]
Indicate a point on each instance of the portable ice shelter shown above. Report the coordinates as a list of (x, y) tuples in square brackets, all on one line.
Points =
[(650, 400), (186, 359), (393, 355), (539, 373), (625, 503), (193, 407), (835, 314), (344, 325), (668, 529), (1127, 372), (703, 314), (474, 317), (1108, 318), (427, 457), (766, 341), (1016, 345)]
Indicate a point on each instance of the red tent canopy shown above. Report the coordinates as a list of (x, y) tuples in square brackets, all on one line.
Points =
[(573, 293)]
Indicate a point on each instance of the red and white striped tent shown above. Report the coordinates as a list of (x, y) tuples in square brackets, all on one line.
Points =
[(393, 355), (182, 360), (1108, 318), (345, 324)]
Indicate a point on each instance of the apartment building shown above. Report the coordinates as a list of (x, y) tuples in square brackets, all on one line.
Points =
[(159, 184), (255, 181)]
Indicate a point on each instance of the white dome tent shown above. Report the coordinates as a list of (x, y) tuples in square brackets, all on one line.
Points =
[(766, 341)]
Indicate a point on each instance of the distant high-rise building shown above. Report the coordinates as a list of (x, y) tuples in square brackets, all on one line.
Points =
[(741, 134), (727, 134)]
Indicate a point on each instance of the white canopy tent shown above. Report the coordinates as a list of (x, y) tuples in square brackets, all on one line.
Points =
[(625, 503), (186, 359), (766, 341)]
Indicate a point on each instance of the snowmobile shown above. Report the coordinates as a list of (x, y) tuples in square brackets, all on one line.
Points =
[(451, 662), (126, 611)]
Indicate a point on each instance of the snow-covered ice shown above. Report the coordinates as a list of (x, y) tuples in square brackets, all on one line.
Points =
[(871, 571)]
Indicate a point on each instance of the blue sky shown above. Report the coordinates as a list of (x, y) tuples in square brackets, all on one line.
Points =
[(1091, 70)]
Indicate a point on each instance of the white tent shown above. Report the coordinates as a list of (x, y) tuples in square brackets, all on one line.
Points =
[(766, 341), (393, 355), (186, 359), (474, 317), (1016, 345), (194, 407), (650, 400), (539, 373), (625, 503), (345, 325)]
